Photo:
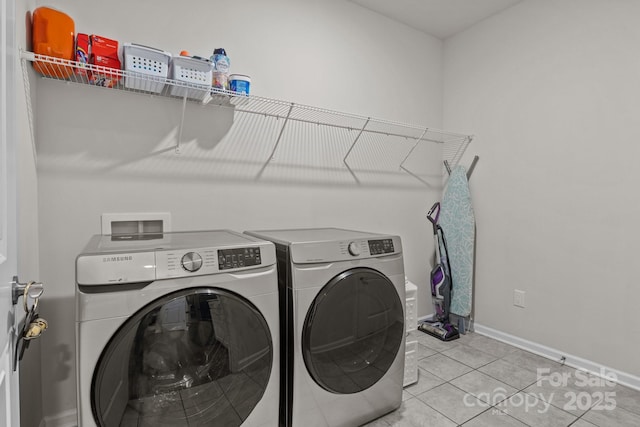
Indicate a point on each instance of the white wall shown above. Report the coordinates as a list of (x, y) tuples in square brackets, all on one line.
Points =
[(100, 151), (550, 89)]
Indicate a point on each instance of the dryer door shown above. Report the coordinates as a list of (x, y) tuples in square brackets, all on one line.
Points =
[(200, 356), (353, 331)]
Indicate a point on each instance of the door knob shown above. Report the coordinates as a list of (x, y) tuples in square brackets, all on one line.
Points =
[(30, 290)]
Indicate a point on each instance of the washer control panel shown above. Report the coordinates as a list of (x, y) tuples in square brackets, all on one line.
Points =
[(238, 258), (109, 261), (182, 263)]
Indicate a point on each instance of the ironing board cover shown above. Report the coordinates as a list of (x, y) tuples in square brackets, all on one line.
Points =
[(458, 222)]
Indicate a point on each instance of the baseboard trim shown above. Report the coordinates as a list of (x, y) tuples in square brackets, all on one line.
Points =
[(594, 368), (63, 419)]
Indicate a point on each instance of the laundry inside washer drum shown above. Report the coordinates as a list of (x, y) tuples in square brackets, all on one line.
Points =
[(183, 367)]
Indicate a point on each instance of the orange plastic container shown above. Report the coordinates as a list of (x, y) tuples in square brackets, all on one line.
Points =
[(53, 35)]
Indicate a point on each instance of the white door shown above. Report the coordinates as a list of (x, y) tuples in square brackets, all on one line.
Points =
[(9, 396)]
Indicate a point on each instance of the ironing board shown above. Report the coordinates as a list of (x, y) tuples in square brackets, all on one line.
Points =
[(458, 222)]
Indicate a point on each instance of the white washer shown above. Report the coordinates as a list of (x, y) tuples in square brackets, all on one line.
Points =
[(177, 329), (344, 337)]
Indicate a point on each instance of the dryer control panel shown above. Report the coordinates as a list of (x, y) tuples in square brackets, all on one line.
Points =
[(322, 245), (382, 246), (344, 250), (374, 247)]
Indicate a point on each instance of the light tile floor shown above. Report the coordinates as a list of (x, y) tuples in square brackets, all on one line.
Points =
[(476, 381)]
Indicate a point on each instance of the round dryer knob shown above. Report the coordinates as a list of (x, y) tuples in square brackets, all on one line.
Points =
[(354, 249), (191, 261)]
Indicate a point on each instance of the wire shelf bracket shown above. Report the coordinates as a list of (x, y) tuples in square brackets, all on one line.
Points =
[(275, 147)]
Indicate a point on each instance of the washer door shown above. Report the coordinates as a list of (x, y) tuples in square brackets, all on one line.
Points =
[(199, 356), (353, 331)]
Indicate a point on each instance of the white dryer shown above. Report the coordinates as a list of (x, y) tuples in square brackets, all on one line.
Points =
[(343, 336), (177, 329)]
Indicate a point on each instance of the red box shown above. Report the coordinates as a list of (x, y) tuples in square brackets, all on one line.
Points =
[(102, 46), (104, 53), (104, 78), (82, 53)]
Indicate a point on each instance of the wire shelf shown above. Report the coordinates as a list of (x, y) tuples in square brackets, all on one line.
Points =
[(453, 144)]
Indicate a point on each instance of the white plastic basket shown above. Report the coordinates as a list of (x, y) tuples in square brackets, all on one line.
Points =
[(150, 65), (196, 73), (410, 363), (411, 309)]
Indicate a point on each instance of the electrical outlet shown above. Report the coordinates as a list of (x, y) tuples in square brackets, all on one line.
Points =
[(518, 298)]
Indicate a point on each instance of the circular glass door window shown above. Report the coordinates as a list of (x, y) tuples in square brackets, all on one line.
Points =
[(195, 357), (353, 331)]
